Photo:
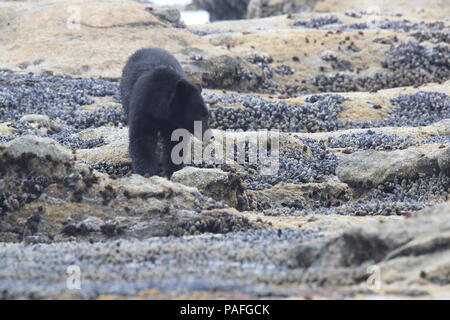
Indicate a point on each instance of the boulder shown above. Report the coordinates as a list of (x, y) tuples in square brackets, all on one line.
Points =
[(369, 168), (39, 119), (168, 15), (267, 8), (407, 250), (41, 155), (214, 183), (47, 196), (443, 159), (300, 196)]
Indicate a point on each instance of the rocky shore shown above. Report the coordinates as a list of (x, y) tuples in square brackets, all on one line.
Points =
[(358, 97)]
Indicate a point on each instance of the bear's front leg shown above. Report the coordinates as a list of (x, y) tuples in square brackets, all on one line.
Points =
[(170, 163), (142, 148)]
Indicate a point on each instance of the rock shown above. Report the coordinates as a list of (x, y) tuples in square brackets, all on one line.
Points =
[(443, 127), (404, 250), (226, 72), (440, 128), (92, 206), (40, 155), (299, 196), (88, 38), (84, 227), (136, 186), (369, 168), (115, 152), (267, 8), (223, 9), (5, 129), (42, 148), (42, 123), (170, 15), (79, 202), (41, 120), (443, 159), (259, 57), (214, 183), (215, 59), (420, 9), (298, 43)]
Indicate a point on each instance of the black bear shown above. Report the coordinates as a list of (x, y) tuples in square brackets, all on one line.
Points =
[(157, 100)]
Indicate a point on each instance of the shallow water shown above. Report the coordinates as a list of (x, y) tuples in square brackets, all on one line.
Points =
[(190, 17)]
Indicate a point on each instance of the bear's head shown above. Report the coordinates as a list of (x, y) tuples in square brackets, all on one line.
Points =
[(187, 107)]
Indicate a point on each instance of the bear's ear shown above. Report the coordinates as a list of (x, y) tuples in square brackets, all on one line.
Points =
[(179, 97), (199, 87), (182, 89)]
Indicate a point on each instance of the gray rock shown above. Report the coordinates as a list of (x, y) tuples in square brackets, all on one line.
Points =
[(169, 15), (39, 119), (443, 127), (93, 223), (39, 155), (227, 72), (37, 174), (407, 249), (369, 168), (443, 159), (266, 8), (214, 183), (39, 147), (299, 196), (136, 186)]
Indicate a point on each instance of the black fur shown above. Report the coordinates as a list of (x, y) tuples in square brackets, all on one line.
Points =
[(158, 99)]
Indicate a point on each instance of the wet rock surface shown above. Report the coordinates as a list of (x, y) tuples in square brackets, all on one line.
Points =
[(354, 112), (267, 8), (339, 52), (415, 242), (371, 168), (78, 202), (217, 184)]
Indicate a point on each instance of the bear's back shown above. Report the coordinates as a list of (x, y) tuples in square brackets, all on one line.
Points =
[(145, 60)]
